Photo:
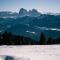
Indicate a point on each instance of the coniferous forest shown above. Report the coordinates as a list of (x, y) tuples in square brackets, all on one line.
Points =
[(10, 39)]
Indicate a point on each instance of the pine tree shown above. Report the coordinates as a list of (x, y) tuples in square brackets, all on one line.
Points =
[(42, 39)]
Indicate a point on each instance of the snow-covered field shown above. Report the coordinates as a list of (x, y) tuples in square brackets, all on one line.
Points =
[(31, 52)]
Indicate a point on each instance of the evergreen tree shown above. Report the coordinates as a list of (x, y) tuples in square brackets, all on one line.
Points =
[(42, 39)]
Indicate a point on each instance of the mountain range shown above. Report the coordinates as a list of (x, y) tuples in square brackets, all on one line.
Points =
[(23, 12), (30, 23), (33, 12)]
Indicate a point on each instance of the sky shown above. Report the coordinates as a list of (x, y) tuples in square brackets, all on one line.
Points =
[(40, 5)]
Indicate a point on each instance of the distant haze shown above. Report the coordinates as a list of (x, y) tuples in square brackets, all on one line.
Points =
[(40, 5)]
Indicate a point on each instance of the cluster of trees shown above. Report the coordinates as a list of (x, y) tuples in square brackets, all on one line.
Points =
[(49, 40), (10, 39)]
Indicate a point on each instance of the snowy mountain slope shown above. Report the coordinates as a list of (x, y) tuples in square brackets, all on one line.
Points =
[(36, 52)]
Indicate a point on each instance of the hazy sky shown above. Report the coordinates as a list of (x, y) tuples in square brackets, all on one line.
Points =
[(41, 5)]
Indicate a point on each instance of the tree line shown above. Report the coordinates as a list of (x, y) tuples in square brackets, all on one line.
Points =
[(10, 39)]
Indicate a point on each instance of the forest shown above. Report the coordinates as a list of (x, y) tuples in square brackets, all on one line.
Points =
[(10, 39)]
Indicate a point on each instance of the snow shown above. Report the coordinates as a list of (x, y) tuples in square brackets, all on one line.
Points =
[(0, 31), (32, 52), (46, 28), (30, 32)]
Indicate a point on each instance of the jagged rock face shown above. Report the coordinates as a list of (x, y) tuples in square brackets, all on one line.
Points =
[(33, 12), (22, 12)]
